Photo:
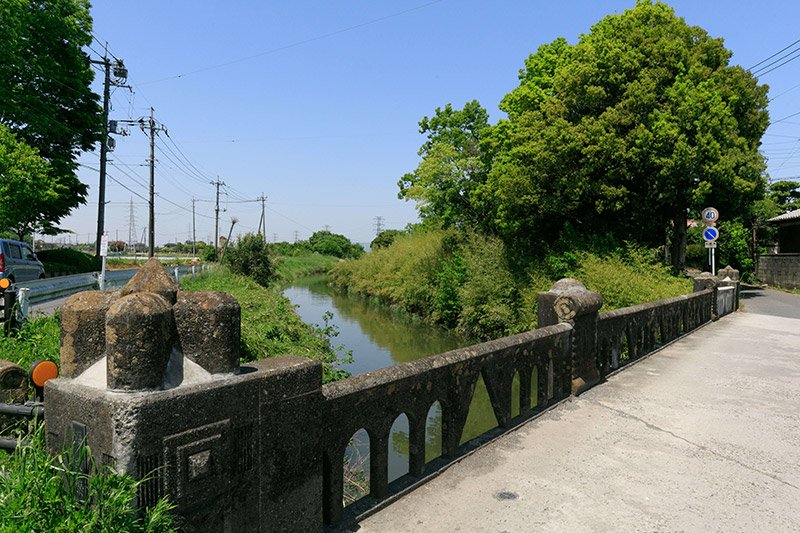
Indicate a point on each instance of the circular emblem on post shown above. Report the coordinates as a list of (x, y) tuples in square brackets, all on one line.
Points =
[(710, 216), (710, 234)]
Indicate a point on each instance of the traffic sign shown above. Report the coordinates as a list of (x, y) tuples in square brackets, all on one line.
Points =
[(710, 216), (711, 245), (710, 234), (104, 245)]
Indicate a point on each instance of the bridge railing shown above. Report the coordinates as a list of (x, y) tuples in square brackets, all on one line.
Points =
[(263, 446), (373, 401), (625, 335)]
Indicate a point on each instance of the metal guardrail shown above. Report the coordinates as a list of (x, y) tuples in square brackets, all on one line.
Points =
[(44, 290)]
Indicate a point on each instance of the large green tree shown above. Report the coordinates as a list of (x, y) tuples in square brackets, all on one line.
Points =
[(453, 166), (628, 131), (45, 98), (27, 186)]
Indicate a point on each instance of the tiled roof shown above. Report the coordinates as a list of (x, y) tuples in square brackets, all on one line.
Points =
[(791, 215)]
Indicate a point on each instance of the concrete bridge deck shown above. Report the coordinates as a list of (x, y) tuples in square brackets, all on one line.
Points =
[(703, 435)]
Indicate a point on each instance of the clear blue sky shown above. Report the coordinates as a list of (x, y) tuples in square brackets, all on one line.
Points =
[(316, 103)]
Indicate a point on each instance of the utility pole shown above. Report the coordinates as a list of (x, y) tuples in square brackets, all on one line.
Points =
[(296, 235), (274, 237), (194, 238), (152, 232), (378, 225), (120, 74), (216, 217), (234, 220), (262, 223)]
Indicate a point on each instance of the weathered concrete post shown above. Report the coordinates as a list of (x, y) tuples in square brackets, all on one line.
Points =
[(569, 301), (704, 281), (152, 384), (730, 273)]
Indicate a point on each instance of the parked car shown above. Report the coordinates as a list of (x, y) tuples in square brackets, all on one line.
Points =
[(18, 262)]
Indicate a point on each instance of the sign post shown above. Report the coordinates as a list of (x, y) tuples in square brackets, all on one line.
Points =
[(711, 234), (103, 254)]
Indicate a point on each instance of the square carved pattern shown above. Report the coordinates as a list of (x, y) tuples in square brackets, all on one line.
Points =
[(198, 461)]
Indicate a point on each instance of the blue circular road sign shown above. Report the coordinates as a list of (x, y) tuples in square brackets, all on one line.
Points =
[(710, 234)]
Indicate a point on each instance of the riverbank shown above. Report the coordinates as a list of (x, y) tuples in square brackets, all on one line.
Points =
[(474, 285)]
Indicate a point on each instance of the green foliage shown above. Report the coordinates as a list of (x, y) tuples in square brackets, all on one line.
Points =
[(630, 277), (734, 248), (622, 133), (68, 260), (27, 187), (270, 325), (327, 243), (468, 281), (38, 492), (385, 238), (36, 339), (453, 167), (45, 79), (291, 267), (249, 256), (785, 195)]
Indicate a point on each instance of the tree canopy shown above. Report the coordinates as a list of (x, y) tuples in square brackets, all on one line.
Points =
[(623, 133), (44, 89)]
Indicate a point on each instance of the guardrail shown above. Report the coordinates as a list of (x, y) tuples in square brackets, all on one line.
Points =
[(45, 290)]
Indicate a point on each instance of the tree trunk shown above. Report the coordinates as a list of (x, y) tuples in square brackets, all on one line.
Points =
[(678, 245)]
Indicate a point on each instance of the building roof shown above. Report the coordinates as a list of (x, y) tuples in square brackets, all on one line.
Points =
[(791, 215)]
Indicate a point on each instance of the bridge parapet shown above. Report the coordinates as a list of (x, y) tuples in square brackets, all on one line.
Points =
[(262, 447)]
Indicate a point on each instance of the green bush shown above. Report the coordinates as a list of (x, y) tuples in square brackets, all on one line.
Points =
[(385, 238), (68, 260), (327, 243), (249, 256)]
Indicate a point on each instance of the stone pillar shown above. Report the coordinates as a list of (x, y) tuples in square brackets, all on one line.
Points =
[(83, 330), (569, 301), (208, 329), (704, 281), (733, 274)]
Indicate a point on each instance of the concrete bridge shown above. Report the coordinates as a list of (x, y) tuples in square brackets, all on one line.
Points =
[(703, 435), (701, 432)]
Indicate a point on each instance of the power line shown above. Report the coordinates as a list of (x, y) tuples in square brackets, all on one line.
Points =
[(773, 55), (294, 44)]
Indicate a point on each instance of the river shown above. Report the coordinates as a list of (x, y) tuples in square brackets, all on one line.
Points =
[(379, 337)]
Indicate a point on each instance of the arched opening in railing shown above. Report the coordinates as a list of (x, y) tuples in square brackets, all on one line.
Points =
[(356, 466), (399, 447), (480, 417), (433, 432), (515, 395)]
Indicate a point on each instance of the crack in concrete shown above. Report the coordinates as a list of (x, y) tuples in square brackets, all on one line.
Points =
[(702, 447)]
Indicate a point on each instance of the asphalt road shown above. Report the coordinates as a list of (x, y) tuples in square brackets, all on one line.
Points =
[(701, 436), (769, 302)]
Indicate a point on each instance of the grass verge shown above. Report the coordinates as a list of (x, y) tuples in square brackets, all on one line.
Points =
[(270, 325)]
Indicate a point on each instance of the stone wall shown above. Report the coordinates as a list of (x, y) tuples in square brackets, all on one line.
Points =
[(261, 447), (779, 270)]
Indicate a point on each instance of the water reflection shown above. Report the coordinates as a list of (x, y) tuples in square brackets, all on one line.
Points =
[(379, 337)]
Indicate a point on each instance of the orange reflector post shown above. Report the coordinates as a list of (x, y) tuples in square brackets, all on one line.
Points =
[(41, 371), (4, 283)]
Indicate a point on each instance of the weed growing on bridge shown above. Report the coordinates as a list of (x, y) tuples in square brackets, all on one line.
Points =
[(43, 492), (37, 339)]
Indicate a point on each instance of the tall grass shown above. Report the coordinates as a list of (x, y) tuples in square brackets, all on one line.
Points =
[(270, 325), (36, 339), (467, 281)]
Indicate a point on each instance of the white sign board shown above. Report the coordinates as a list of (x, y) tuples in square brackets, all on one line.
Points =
[(711, 245), (710, 216), (104, 246)]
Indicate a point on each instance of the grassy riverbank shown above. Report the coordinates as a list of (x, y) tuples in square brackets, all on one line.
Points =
[(270, 326), (292, 267), (473, 284)]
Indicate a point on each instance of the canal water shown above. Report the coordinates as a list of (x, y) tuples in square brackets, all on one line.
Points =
[(377, 338)]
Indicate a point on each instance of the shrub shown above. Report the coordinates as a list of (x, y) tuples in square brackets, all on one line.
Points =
[(327, 243), (68, 260), (385, 238), (249, 256)]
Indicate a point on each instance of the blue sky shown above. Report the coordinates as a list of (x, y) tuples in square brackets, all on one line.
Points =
[(315, 104)]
